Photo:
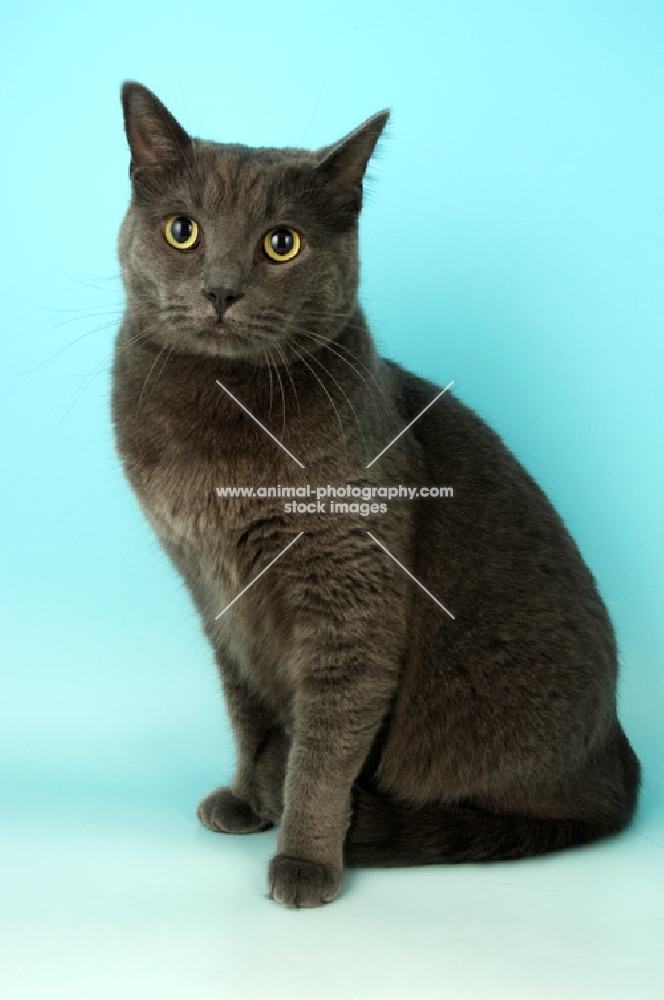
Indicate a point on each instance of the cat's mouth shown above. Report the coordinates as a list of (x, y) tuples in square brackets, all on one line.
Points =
[(223, 336)]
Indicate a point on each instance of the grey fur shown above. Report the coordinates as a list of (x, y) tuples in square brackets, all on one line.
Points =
[(367, 723)]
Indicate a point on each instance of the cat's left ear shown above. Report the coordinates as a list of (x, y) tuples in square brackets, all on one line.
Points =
[(344, 164)]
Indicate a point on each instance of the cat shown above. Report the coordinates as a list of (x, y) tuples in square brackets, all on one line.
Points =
[(425, 680)]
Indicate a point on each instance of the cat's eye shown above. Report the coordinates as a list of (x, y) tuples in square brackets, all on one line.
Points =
[(282, 244), (181, 232)]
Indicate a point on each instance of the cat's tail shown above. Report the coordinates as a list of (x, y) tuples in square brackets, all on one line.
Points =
[(387, 833)]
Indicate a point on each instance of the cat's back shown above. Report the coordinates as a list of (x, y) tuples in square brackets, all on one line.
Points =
[(493, 516), (529, 658)]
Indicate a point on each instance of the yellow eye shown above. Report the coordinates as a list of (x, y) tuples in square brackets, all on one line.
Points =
[(282, 244), (181, 232)]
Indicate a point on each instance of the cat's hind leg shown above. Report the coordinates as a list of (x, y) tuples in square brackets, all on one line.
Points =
[(599, 802)]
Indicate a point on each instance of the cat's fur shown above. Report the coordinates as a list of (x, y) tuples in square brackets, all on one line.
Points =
[(368, 723)]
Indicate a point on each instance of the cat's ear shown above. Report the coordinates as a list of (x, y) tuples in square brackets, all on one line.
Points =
[(343, 165), (155, 138)]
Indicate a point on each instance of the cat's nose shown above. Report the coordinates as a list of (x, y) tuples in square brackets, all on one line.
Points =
[(222, 298)]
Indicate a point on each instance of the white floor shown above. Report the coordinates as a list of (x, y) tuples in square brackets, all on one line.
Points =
[(118, 894)]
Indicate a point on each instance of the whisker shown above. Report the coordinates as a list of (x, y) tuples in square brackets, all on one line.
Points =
[(323, 387), (283, 400), (65, 347), (161, 370), (341, 390), (335, 347), (269, 369), (327, 345), (325, 342), (104, 365), (288, 372), (86, 284), (75, 309), (147, 379)]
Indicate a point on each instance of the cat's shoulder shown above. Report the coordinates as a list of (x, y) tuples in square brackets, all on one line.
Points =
[(455, 438)]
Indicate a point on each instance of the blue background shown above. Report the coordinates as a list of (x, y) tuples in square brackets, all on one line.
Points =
[(513, 241)]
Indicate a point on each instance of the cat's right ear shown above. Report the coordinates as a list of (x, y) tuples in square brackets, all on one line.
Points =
[(155, 138)]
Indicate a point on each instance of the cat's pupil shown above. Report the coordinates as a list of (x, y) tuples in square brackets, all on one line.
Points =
[(181, 229), (282, 241)]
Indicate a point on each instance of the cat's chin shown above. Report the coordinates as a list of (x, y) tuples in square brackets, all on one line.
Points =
[(225, 348), (221, 341)]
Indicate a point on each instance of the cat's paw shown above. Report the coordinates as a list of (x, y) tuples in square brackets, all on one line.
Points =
[(223, 812), (294, 882)]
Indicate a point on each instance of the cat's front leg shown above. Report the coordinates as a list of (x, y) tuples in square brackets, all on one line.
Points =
[(254, 799), (336, 720)]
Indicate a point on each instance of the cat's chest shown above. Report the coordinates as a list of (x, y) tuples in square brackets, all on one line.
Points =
[(182, 492)]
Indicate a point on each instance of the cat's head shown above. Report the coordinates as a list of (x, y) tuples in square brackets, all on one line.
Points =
[(230, 250)]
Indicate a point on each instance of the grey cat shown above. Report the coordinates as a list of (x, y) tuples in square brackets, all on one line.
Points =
[(373, 726)]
